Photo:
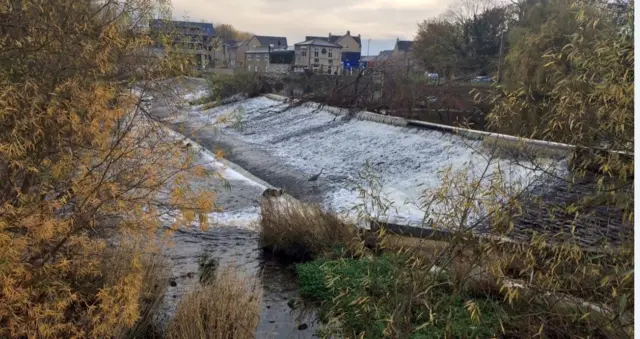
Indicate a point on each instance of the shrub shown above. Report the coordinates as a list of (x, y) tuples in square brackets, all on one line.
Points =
[(226, 307), (154, 280), (81, 161), (303, 231), (383, 297), (224, 87)]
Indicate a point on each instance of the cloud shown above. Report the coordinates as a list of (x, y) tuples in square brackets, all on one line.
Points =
[(295, 19)]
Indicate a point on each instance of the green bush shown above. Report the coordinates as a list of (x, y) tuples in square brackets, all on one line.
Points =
[(374, 297), (247, 84)]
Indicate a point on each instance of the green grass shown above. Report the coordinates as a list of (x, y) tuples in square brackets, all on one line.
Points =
[(364, 294)]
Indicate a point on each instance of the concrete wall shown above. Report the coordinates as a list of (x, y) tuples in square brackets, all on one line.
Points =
[(278, 68)]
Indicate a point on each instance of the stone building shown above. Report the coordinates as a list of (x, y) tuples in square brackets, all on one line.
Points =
[(351, 48), (254, 43), (196, 38), (318, 55)]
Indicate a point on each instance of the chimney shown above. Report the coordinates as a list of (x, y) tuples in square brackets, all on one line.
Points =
[(348, 32)]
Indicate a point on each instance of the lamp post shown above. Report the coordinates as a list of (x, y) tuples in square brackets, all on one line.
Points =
[(368, 46)]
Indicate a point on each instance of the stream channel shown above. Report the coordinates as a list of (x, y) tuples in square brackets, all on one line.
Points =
[(233, 238)]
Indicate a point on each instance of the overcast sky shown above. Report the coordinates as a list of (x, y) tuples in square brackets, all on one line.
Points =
[(380, 20)]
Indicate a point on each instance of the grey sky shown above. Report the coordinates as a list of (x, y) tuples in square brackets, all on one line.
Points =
[(380, 20)]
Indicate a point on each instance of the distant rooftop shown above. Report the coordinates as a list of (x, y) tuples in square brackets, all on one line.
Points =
[(384, 54), (272, 40), (334, 38), (207, 28), (318, 42), (404, 45)]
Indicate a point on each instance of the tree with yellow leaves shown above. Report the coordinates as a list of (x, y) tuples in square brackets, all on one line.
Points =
[(82, 163)]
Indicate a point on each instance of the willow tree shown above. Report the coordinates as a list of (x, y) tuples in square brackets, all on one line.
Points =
[(81, 162)]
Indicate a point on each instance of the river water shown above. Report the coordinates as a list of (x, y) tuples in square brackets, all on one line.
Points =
[(284, 148)]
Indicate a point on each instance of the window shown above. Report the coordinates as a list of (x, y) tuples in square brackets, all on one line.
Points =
[(258, 57), (249, 68), (249, 57), (316, 52), (330, 53), (303, 53)]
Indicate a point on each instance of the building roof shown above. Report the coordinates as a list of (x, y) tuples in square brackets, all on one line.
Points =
[(384, 54), (207, 28), (271, 40), (282, 51), (308, 37), (335, 38), (318, 42), (404, 45)]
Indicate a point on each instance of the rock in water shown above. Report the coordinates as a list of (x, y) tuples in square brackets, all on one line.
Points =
[(272, 193)]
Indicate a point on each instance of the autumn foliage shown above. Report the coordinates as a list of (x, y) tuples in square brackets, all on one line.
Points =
[(81, 163)]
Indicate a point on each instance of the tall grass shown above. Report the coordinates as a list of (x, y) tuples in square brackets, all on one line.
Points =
[(303, 231), (226, 307)]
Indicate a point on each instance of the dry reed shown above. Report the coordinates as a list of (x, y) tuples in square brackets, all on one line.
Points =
[(302, 231), (227, 307)]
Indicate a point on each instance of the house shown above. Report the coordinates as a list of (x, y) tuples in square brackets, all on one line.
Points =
[(256, 59), (402, 56), (377, 60), (232, 52), (196, 38), (257, 41), (281, 61), (223, 52), (270, 60), (318, 55), (403, 47), (351, 47)]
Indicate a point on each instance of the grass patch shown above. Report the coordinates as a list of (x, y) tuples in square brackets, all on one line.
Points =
[(304, 231), (226, 307), (389, 296)]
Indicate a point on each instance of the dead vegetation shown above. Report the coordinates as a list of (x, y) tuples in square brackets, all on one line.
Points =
[(225, 307), (302, 231)]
